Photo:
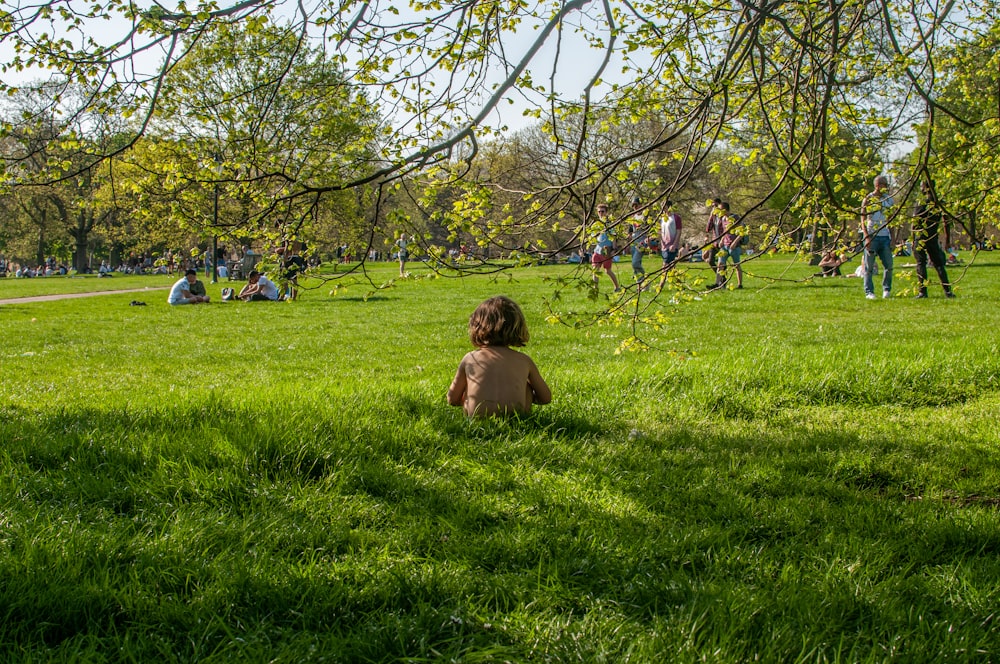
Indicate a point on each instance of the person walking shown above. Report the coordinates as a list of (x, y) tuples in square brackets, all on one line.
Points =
[(926, 221), (714, 231), (402, 253), (730, 248), (638, 235), (670, 239), (604, 249)]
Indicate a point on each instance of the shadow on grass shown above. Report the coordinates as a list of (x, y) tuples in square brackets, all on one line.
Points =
[(410, 531), (362, 298)]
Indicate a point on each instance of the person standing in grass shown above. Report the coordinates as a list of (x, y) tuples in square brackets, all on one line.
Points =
[(878, 238), (494, 379), (638, 235), (604, 250), (670, 239), (731, 248), (292, 265), (402, 252), (713, 230), (927, 219), (188, 290)]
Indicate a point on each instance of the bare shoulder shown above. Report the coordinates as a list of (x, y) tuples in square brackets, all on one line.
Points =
[(523, 358), (499, 354), (505, 351)]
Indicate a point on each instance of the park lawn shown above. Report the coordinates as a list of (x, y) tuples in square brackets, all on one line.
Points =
[(793, 474)]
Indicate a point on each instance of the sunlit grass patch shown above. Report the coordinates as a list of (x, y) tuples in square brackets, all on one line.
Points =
[(804, 477)]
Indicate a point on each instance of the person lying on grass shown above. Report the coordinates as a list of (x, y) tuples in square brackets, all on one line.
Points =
[(494, 379)]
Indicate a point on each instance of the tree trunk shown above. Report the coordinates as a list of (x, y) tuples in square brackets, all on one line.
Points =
[(40, 248), (815, 244), (80, 231), (80, 258)]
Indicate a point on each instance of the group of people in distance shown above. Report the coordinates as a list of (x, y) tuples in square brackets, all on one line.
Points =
[(258, 288), (726, 239), (496, 380), (190, 290), (725, 242)]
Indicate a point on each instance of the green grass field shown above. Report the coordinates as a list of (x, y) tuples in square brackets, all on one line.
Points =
[(793, 474)]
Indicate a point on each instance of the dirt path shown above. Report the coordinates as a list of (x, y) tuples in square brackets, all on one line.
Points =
[(66, 296)]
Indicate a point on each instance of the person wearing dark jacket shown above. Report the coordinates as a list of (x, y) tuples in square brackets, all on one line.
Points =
[(926, 220)]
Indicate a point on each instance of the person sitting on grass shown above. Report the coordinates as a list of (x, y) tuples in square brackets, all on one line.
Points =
[(830, 264), (188, 290), (494, 379), (258, 289)]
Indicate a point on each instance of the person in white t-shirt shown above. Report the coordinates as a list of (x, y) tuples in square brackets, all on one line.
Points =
[(259, 289), (670, 239), (402, 252), (188, 290), (875, 211)]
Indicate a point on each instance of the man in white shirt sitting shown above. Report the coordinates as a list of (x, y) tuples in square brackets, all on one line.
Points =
[(188, 290), (259, 289)]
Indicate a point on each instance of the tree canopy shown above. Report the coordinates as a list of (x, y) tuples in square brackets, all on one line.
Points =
[(809, 100)]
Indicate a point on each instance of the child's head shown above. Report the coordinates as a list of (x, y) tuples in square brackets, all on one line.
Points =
[(498, 322)]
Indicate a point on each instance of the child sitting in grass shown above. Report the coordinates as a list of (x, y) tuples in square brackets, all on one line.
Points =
[(493, 379)]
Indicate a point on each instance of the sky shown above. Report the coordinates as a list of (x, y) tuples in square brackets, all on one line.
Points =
[(577, 65)]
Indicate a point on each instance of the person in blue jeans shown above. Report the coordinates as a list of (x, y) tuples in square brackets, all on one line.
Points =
[(877, 238), (638, 236), (670, 240)]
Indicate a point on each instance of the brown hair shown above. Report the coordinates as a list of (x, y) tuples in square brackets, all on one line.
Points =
[(498, 322)]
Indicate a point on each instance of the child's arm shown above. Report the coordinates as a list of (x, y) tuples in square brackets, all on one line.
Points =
[(541, 394), (459, 387)]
